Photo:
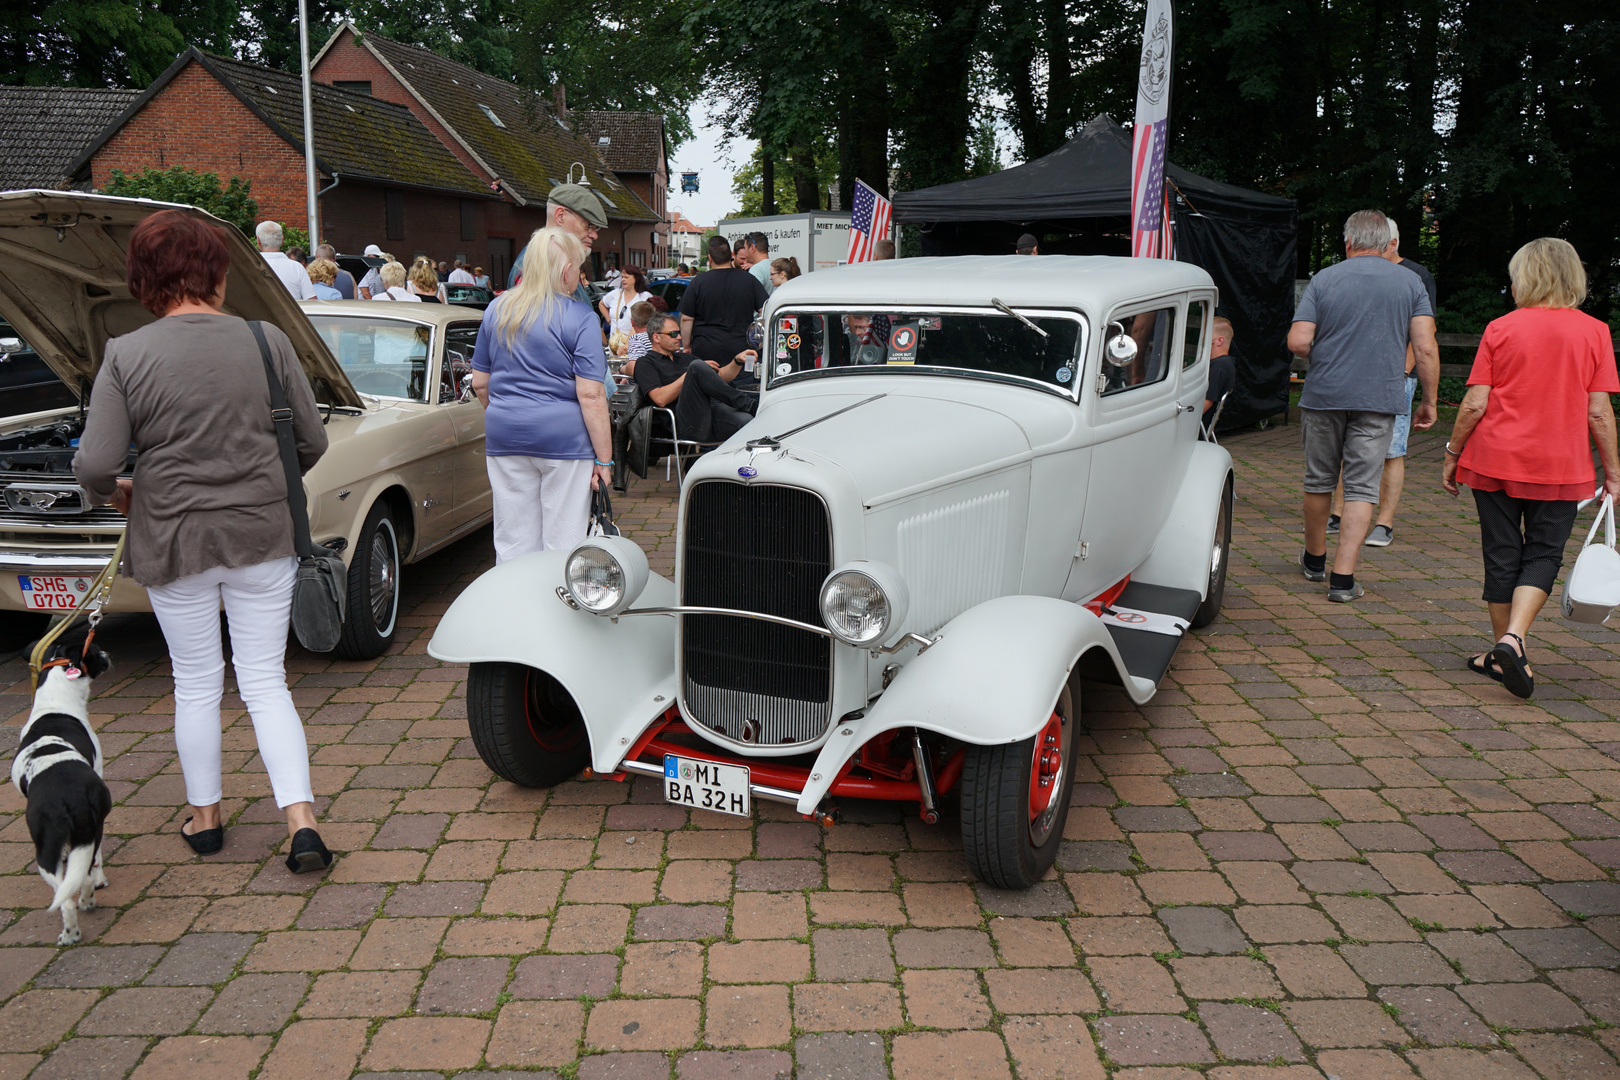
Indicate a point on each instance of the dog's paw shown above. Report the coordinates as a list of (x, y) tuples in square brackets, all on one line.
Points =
[(99, 879), (87, 903), (69, 937)]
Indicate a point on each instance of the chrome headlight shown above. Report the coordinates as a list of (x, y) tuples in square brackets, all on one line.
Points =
[(606, 574), (864, 604)]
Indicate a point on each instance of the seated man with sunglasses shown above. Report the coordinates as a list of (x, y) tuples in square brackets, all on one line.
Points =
[(708, 406)]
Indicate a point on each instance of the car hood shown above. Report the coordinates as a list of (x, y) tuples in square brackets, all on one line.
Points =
[(910, 439), (62, 285)]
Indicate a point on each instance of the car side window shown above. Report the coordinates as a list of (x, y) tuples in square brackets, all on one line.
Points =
[(459, 342), (1153, 332), (1197, 326)]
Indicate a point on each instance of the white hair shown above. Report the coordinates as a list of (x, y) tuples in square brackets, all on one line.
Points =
[(1394, 231), (269, 234), (1367, 230)]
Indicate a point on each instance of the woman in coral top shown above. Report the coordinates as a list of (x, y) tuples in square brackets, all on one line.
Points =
[(1537, 401)]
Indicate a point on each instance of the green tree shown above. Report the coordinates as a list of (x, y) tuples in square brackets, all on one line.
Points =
[(229, 202), (105, 42)]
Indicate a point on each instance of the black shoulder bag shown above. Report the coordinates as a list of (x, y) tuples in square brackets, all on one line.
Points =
[(320, 592)]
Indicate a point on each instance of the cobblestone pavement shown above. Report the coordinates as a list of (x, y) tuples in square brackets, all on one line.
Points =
[(1324, 850)]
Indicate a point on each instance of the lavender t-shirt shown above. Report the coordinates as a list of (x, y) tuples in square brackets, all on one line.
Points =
[(533, 410)]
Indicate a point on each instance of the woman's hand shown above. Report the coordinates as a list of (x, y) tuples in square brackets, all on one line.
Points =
[(1611, 484), (1448, 474), (601, 477), (123, 495)]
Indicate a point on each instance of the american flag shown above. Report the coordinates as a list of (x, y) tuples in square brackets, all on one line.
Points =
[(868, 222), (1150, 195)]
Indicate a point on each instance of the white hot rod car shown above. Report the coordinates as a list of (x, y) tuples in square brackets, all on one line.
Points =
[(970, 483)]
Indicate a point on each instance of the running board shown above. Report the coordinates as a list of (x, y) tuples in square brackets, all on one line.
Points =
[(1146, 653)]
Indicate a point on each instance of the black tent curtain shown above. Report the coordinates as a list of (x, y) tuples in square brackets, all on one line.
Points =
[(1077, 200)]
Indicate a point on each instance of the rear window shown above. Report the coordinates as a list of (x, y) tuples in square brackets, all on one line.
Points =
[(972, 343)]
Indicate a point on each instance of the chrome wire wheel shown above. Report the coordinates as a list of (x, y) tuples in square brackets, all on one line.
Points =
[(1217, 555), (1047, 771), (382, 584)]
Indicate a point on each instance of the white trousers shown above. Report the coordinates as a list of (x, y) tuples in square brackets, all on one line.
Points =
[(258, 603), (541, 504)]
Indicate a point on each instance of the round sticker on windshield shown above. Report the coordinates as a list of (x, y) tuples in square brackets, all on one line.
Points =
[(784, 369), (1064, 374)]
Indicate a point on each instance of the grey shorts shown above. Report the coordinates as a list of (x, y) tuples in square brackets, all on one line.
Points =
[(1352, 441)]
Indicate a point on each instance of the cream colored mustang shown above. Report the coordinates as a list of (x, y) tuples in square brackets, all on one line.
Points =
[(404, 474)]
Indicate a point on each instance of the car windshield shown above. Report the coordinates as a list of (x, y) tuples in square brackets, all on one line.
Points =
[(974, 342), (381, 357)]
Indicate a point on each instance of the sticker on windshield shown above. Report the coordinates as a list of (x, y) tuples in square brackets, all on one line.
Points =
[(1064, 374), (789, 324), (784, 369), (793, 341)]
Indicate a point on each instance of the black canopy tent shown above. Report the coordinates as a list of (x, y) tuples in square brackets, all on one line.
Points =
[(1077, 200)]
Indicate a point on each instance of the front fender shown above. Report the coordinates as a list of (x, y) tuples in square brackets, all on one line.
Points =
[(621, 674), (1180, 556), (993, 677)]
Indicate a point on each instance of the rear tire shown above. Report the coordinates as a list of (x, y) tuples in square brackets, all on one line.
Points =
[(1012, 827), (525, 726), (1220, 555), (373, 585)]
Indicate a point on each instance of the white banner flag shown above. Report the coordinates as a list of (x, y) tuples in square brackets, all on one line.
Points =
[(1150, 209)]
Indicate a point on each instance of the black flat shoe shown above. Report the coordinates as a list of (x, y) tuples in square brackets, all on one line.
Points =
[(1486, 668), (308, 852), (1515, 672), (203, 841)]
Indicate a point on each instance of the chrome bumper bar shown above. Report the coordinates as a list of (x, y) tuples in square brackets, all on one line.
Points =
[(29, 562), (764, 791)]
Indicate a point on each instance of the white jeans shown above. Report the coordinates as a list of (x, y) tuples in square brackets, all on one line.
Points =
[(541, 504), (258, 602)]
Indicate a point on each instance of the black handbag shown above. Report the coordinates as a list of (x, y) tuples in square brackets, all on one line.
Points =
[(601, 523), (320, 591)]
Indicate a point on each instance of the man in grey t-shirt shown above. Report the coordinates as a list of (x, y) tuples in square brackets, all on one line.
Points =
[(1354, 323)]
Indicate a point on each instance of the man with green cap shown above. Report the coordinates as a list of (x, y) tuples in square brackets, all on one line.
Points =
[(573, 208)]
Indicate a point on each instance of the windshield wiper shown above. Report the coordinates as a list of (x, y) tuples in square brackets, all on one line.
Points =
[(1019, 317), (774, 442)]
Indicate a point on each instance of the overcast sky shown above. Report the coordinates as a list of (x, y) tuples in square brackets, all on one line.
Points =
[(714, 199)]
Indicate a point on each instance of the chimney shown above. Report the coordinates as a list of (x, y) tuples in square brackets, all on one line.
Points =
[(559, 96)]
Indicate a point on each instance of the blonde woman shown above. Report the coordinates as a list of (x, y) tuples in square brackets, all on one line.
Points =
[(1537, 401), (539, 370), (391, 276), (425, 283), (323, 275)]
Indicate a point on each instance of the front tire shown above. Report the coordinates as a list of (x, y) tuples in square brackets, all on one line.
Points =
[(1015, 801), (373, 584), (1220, 555), (525, 725)]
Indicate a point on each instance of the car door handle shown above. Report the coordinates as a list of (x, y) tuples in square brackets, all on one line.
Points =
[(1184, 408)]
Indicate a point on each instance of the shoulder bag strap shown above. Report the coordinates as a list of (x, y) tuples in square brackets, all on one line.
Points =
[(281, 413)]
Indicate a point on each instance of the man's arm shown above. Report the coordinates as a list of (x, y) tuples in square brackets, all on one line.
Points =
[(1421, 335), (1301, 335), (686, 332), (663, 395)]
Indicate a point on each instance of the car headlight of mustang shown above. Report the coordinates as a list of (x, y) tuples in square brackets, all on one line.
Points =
[(864, 604), (606, 574)]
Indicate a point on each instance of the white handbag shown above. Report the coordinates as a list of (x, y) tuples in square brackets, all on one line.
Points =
[(1592, 589)]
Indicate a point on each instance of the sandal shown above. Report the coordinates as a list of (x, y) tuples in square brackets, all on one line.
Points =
[(1515, 671), (1486, 668), (203, 841)]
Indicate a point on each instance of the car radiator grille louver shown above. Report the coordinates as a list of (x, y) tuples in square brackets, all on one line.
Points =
[(766, 549)]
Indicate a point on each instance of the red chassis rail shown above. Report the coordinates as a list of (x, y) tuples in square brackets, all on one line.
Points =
[(853, 781)]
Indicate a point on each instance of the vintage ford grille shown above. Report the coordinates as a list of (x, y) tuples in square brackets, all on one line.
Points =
[(767, 549)]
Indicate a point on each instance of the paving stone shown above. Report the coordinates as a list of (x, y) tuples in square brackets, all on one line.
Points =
[(1399, 964), (146, 1011), (1244, 846), (1568, 947), (1447, 1064), (748, 1016), (1565, 1057), (767, 961), (943, 949), (1339, 1024), (662, 969), (434, 898), (254, 1004), (91, 1059), (776, 875), (1597, 990), (1046, 991), (200, 959), (1153, 1040), (852, 955), (734, 1065), (535, 1033), (1043, 898), (1586, 897), (335, 907), (1482, 957), (1095, 855), (1203, 930), (1435, 1015), (100, 965), (1339, 877), (845, 1007), (229, 1057), (1485, 867), (1246, 1033), (1224, 977), (632, 1066), (565, 978), (1157, 819), (470, 985), (1050, 1047), (1523, 1005), (839, 1055), (963, 1055), (670, 922), (341, 994)]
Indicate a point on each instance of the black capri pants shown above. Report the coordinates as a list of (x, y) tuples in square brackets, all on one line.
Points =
[(1523, 542)]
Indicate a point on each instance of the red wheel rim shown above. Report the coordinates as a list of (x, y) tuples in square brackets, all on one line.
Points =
[(1046, 769)]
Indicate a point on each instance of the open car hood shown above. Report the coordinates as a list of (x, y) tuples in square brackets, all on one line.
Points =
[(62, 285)]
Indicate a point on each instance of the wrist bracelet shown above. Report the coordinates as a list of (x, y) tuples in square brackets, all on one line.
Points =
[(1449, 450), (604, 464)]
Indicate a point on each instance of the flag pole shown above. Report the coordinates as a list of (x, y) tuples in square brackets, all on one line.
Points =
[(309, 131)]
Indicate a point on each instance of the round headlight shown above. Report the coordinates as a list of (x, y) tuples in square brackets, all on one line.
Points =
[(856, 608), (605, 574)]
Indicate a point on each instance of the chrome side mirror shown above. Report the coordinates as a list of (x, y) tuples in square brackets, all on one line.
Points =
[(756, 335), (9, 345), (1120, 349), (467, 390)]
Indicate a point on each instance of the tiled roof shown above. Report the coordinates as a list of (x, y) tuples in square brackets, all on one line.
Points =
[(45, 128), (509, 128), (636, 139), (355, 134)]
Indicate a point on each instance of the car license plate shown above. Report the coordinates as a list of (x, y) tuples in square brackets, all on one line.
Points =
[(706, 785), (53, 592)]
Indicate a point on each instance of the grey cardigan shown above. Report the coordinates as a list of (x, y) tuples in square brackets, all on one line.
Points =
[(189, 392)]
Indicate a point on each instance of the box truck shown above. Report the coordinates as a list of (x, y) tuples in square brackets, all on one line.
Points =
[(819, 239)]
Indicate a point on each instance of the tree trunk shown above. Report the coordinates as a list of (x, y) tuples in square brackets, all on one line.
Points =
[(767, 177)]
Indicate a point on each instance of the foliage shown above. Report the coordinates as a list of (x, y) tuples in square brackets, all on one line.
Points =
[(229, 202), (105, 42)]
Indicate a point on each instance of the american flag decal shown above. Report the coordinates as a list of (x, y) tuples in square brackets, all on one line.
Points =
[(868, 222)]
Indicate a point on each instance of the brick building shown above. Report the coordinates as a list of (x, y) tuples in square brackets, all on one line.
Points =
[(686, 240), (636, 147), (513, 140), (384, 178)]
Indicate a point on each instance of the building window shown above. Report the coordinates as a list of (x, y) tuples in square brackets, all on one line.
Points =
[(394, 207), (489, 112), (638, 258), (359, 86), (469, 219)]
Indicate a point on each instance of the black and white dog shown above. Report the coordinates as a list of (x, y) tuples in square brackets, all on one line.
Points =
[(58, 770)]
